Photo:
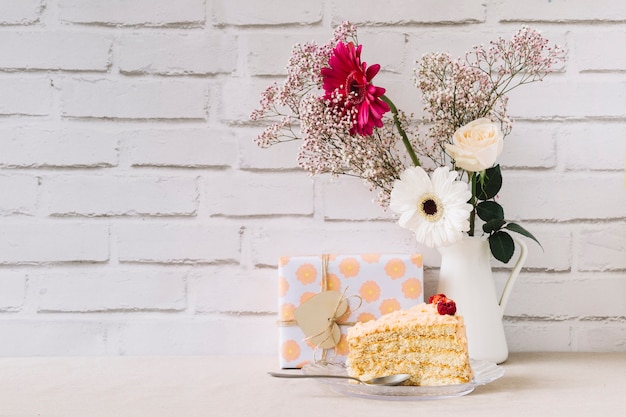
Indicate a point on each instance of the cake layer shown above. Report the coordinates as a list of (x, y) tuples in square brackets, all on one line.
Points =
[(424, 369), (444, 358), (410, 340)]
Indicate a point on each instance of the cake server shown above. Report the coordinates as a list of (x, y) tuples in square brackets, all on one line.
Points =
[(382, 380)]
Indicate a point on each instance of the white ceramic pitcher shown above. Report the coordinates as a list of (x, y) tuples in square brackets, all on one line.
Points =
[(465, 276)]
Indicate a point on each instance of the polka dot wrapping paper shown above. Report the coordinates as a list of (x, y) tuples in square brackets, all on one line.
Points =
[(373, 285)]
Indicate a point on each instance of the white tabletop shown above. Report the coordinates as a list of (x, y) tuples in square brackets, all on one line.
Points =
[(535, 384)]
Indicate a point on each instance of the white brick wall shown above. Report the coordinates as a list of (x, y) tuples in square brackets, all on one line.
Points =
[(132, 12), (137, 216), (20, 12)]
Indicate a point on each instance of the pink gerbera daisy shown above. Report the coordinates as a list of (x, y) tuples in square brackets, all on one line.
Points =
[(348, 79)]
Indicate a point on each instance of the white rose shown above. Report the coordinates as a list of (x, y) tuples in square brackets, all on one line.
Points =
[(476, 146)]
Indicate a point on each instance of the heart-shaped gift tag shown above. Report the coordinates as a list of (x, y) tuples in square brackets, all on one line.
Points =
[(317, 317)]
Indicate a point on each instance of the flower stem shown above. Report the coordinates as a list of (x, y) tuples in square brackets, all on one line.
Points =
[(405, 139), (472, 218)]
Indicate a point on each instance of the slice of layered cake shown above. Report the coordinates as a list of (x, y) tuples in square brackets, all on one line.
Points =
[(427, 341)]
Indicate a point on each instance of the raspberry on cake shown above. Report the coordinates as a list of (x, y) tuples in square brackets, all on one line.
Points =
[(434, 299), (446, 307), (427, 341)]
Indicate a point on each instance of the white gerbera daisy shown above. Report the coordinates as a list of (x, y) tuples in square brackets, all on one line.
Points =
[(435, 208)]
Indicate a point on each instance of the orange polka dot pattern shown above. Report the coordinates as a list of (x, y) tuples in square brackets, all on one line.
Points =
[(395, 268), (290, 350), (412, 288), (369, 291), (383, 282)]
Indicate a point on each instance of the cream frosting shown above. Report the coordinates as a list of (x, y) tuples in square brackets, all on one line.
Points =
[(420, 315)]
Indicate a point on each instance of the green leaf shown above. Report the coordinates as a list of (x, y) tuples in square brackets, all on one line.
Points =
[(514, 227), (489, 210), (493, 225), (489, 183), (502, 246)]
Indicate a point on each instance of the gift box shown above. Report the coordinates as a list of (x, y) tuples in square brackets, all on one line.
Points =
[(321, 296)]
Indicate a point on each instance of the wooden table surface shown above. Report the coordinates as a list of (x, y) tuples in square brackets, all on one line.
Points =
[(534, 384)]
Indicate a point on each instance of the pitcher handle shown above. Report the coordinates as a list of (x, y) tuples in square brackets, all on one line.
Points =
[(508, 287)]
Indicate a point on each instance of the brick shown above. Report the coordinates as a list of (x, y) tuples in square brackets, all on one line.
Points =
[(260, 335), (111, 290), (297, 237), (60, 337), (387, 48), (246, 194), (18, 194), (591, 50), (12, 290), (268, 52), (460, 41), (607, 152), (168, 336), (602, 247), (143, 99), (441, 39), (35, 243), (561, 11), (251, 12), (574, 196), (349, 198), (71, 195), (57, 146), (25, 96), (401, 89), (530, 146), (282, 156), (133, 12), (599, 336), (176, 243), (21, 12), (198, 336), (531, 336), (407, 11), (180, 147), (55, 50), (557, 297), (554, 254), (228, 289), (239, 97), (174, 54), (561, 98)]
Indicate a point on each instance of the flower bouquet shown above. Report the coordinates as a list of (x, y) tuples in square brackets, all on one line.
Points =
[(439, 174)]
